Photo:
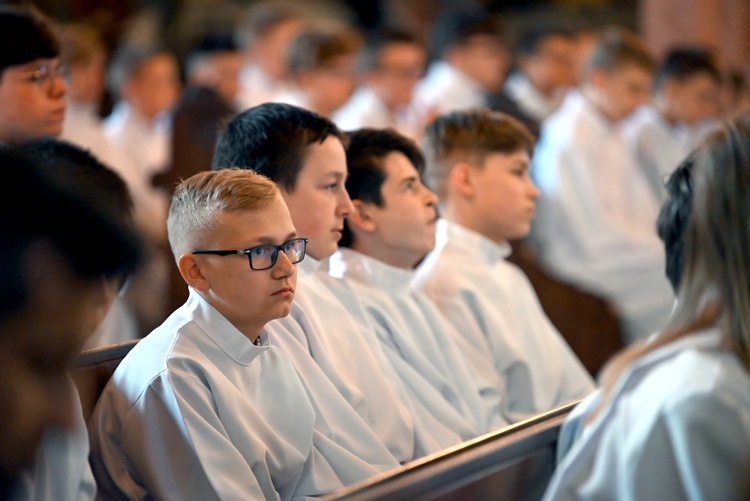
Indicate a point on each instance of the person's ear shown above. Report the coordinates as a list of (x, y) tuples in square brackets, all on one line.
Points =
[(599, 79), (361, 219), (192, 272), (670, 88), (462, 180)]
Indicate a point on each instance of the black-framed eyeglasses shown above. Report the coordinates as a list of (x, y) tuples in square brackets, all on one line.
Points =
[(44, 75), (263, 257)]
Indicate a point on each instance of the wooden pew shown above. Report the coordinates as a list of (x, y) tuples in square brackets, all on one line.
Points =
[(92, 369), (512, 463)]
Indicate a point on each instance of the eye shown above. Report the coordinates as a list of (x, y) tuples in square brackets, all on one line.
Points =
[(260, 251), (333, 186)]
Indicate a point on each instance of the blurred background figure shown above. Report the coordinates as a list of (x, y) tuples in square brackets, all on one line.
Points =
[(321, 62), (469, 62), (544, 70), (264, 35), (390, 65), (684, 108)]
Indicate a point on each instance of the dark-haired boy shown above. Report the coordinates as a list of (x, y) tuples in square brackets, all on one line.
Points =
[(390, 231), (685, 106), (595, 223), (478, 162), (32, 89), (303, 153)]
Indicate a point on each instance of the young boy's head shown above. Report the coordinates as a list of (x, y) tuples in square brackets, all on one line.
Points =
[(478, 164), (470, 41), (394, 213), (321, 62), (547, 57), (55, 249), (687, 86), (618, 74), (214, 62), (235, 244), (32, 87), (303, 153), (146, 78), (391, 64)]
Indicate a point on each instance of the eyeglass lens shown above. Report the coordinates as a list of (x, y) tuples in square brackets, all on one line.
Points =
[(264, 256)]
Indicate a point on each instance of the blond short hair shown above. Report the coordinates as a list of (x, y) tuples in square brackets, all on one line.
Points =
[(198, 201)]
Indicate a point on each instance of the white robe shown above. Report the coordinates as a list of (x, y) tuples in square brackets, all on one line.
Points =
[(61, 470), (328, 320), (421, 346), (532, 102), (445, 89), (196, 411), (366, 109), (659, 147), (491, 300), (677, 427), (257, 88), (596, 219)]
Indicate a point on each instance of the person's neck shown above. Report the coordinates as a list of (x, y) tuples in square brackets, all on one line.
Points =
[(404, 260)]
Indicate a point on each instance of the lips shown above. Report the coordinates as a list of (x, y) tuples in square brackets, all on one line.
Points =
[(284, 291)]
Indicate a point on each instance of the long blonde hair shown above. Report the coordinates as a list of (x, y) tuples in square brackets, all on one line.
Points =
[(715, 286)]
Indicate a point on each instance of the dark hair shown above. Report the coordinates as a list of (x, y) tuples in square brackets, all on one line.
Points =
[(364, 158), (272, 140), (378, 40), (673, 219), (91, 242), (25, 35), (684, 62), (530, 39), (213, 43), (317, 46), (455, 28), (262, 17)]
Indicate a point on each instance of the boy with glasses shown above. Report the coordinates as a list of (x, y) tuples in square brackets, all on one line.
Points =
[(303, 153), (32, 87), (206, 406)]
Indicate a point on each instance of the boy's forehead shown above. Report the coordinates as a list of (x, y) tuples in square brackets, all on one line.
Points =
[(326, 157)]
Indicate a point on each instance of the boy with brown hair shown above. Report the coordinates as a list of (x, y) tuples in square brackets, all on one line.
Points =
[(595, 227), (478, 163)]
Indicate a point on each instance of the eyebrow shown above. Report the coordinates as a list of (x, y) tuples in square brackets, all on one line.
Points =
[(271, 240), (407, 180)]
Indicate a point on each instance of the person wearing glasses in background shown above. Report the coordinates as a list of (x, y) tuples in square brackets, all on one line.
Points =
[(206, 406), (32, 87)]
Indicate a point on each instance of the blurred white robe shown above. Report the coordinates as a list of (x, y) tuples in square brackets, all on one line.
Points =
[(491, 300), (197, 411), (677, 426), (445, 89)]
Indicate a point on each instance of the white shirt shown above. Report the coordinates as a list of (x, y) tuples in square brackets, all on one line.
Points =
[(366, 109), (596, 219), (330, 322), (61, 470), (660, 147), (420, 344), (256, 87), (197, 411), (494, 306), (532, 102), (676, 427), (445, 89)]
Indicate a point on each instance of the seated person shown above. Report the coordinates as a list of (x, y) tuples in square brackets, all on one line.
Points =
[(545, 70), (303, 153), (685, 105), (470, 63), (596, 214), (321, 65), (206, 407), (61, 256), (390, 66), (32, 86), (389, 232), (670, 420), (478, 162)]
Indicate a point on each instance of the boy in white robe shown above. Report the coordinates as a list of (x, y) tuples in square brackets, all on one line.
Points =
[(478, 162), (391, 229), (595, 226), (685, 105), (303, 153), (205, 407)]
